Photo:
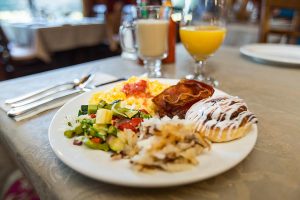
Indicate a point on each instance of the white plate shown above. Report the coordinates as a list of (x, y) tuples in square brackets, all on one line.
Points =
[(98, 164), (275, 53)]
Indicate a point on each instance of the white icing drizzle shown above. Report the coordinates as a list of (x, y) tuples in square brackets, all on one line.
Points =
[(215, 114)]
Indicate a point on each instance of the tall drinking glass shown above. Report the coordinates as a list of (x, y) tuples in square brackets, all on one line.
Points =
[(202, 31), (151, 37)]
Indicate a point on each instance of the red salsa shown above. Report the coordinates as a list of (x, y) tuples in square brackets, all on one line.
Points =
[(137, 89)]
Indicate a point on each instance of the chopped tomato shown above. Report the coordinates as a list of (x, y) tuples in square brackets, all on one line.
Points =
[(96, 140), (135, 89), (127, 125), (132, 124), (93, 115), (136, 121)]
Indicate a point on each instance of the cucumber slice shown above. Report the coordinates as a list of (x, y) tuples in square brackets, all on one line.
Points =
[(80, 113), (92, 109), (101, 104), (93, 145), (100, 127), (95, 133), (115, 144), (69, 133), (84, 108), (92, 131), (112, 130), (101, 135), (78, 130)]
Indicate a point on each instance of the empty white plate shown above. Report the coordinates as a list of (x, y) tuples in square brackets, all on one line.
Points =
[(274, 53)]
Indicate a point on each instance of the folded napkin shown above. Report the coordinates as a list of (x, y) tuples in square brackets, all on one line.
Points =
[(99, 78)]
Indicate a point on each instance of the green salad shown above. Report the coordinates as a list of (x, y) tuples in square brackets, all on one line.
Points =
[(105, 126)]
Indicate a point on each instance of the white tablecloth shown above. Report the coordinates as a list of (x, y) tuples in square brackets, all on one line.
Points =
[(271, 171), (47, 38)]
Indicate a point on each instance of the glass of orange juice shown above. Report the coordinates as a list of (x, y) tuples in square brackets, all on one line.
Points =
[(202, 32)]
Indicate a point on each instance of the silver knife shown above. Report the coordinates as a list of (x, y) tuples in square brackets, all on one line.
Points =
[(37, 104), (43, 104), (81, 84), (39, 94)]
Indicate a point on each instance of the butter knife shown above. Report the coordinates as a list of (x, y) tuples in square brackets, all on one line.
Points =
[(45, 104), (39, 94)]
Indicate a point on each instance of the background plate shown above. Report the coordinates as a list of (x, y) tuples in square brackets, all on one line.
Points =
[(273, 53), (98, 164)]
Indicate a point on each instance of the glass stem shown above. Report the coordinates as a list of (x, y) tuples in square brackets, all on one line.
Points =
[(199, 68), (153, 68)]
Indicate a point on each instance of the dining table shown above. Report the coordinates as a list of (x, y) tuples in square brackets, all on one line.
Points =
[(47, 37), (270, 171)]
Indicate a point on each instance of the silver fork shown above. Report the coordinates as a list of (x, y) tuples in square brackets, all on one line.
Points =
[(36, 95), (38, 106)]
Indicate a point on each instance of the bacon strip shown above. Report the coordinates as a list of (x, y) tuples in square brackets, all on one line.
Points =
[(177, 99)]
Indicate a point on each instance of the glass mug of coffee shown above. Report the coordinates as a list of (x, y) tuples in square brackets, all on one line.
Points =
[(150, 37)]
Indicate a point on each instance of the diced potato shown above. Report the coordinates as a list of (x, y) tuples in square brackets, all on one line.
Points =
[(104, 116)]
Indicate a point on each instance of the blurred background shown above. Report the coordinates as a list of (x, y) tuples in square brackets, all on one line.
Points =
[(41, 35)]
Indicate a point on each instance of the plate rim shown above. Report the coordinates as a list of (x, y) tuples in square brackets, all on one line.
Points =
[(244, 50), (121, 182)]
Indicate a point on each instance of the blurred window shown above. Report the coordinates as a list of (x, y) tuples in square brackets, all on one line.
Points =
[(58, 8), (13, 5), (23, 10), (14, 10)]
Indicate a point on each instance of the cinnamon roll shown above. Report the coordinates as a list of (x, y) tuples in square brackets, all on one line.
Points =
[(222, 118)]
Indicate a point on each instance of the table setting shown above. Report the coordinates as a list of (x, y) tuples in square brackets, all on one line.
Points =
[(212, 125), (33, 103)]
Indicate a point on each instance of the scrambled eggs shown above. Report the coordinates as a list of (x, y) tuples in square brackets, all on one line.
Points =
[(133, 102)]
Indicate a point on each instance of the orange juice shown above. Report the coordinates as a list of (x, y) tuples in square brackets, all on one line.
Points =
[(202, 41)]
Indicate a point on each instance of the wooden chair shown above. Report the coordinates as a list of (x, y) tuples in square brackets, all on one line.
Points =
[(242, 14), (266, 13), (4, 56), (17, 61)]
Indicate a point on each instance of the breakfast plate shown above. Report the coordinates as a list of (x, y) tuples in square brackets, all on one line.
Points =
[(273, 53), (99, 165)]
